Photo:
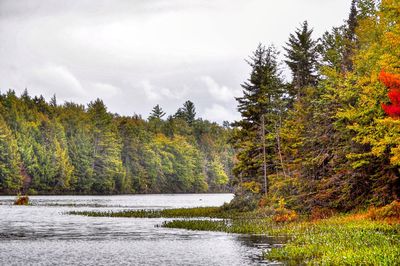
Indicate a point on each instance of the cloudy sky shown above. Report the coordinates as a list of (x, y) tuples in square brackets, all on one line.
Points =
[(139, 53)]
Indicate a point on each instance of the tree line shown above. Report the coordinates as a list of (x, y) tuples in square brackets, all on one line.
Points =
[(330, 137), (71, 148)]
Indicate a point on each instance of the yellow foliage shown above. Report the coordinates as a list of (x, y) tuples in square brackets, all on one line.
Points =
[(252, 186)]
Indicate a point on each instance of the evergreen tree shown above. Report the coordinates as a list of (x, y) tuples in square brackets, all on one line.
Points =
[(78, 130), (157, 113), (155, 117), (350, 38), (187, 112), (261, 107), (107, 166), (190, 112), (301, 54)]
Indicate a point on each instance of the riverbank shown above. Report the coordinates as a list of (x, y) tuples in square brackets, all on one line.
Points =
[(365, 238)]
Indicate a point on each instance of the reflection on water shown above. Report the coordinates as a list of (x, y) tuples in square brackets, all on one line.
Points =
[(43, 234)]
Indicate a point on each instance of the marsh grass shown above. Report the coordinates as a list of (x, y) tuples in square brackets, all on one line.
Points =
[(343, 239), (339, 240), (211, 212)]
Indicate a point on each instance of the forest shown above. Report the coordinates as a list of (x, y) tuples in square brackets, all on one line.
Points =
[(48, 148), (329, 138)]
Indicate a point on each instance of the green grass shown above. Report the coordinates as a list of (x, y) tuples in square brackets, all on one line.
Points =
[(340, 240), (238, 226), (336, 241), (212, 212)]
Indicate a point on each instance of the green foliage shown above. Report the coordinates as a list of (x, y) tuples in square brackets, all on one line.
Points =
[(50, 148), (340, 242), (262, 107), (166, 213), (187, 112), (10, 177), (243, 201), (301, 54), (157, 112)]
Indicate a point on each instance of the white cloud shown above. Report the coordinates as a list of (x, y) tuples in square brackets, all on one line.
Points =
[(104, 90), (220, 92), (219, 113), (53, 78), (154, 93), (149, 91)]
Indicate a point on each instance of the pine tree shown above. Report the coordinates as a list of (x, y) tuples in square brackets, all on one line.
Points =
[(157, 113), (350, 38), (301, 54), (261, 107), (187, 112), (190, 111)]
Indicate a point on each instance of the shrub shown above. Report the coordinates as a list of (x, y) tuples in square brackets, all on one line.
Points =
[(283, 216), (243, 202), (21, 200), (390, 212), (318, 213)]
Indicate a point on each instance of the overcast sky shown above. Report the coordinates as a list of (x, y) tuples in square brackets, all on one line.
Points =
[(139, 53)]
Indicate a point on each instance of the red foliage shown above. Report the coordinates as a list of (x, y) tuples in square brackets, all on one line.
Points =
[(392, 82)]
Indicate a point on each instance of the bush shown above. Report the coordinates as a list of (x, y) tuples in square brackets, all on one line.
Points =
[(243, 202), (389, 212), (318, 213), (21, 200), (285, 215)]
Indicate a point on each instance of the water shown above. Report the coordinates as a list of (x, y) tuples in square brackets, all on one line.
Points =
[(43, 234)]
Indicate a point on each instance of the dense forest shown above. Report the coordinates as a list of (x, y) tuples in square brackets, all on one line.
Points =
[(329, 138), (53, 149)]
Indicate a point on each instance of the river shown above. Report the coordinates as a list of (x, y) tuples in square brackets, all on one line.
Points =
[(43, 234)]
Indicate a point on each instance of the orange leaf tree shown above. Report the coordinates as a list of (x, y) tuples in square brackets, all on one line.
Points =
[(392, 82)]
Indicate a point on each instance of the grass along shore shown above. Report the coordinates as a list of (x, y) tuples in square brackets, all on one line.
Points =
[(367, 238)]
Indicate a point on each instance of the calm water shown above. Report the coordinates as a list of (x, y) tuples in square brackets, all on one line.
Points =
[(43, 235)]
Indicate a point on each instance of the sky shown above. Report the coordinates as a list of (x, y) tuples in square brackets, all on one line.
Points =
[(134, 54)]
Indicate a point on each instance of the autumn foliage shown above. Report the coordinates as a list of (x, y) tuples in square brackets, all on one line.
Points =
[(392, 82), (389, 213)]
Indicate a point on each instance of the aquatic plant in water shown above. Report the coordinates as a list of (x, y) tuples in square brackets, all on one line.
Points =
[(21, 200)]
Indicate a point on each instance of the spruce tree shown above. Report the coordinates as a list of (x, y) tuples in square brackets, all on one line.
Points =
[(350, 38), (157, 113), (301, 54), (260, 107), (187, 112), (190, 111)]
